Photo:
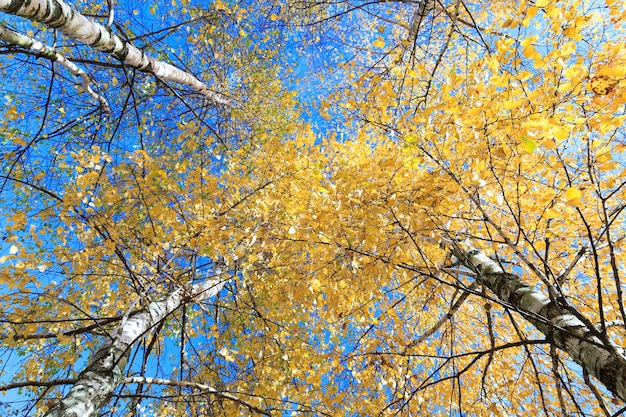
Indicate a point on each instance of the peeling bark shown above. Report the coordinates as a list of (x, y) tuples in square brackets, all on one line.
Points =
[(105, 370), (606, 362), (59, 15)]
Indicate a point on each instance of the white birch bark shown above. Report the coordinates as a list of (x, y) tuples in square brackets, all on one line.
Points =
[(606, 363), (105, 370), (24, 41), (59, 15)]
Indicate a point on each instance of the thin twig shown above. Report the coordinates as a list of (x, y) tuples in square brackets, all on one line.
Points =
[(194, 385)]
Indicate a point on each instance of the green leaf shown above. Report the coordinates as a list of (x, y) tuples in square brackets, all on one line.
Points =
[(529, 144)]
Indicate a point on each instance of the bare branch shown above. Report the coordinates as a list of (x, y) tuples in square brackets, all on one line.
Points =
[(195, 385), (443, 319), (560, 279), (23, 384)]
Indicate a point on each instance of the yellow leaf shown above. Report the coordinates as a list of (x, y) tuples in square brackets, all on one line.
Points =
[(604, 156), (530, 52), (573, 196), (18, 220), (510, 24), (379, 43), (573, 193), (552, 214), (219, 5), (601, 85), (607, 166), (512, 104), (549, 144), (315, 284), (571, 32)]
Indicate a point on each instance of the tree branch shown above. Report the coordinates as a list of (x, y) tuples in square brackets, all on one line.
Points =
[(104, 371), (40, 49), (23, 384), (604, 361), (195, 385), (59, 15)]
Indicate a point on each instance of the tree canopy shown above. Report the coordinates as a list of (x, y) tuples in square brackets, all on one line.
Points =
[(352, 208)]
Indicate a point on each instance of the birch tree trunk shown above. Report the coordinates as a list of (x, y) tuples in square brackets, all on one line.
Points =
[(105, 370), (59, 15), (604, 361)]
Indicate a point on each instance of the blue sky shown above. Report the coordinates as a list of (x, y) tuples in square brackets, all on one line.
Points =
[(120, 134)]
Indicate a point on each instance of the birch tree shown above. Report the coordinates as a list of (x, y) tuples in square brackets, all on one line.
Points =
[(59, 15), (441, 234), (105, 370), (90, 299)]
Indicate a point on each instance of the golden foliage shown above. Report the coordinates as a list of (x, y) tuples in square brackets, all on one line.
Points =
[(505, 128)]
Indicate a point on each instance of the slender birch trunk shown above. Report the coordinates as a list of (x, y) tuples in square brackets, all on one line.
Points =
[(606, 362), (59, 15), (24, 41), (105, 370)]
